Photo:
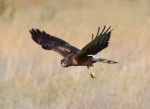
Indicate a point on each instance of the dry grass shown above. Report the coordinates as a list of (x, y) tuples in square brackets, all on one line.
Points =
[(31, 78)]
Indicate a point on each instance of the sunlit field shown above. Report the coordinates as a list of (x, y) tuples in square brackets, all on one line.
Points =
[(33, 78)]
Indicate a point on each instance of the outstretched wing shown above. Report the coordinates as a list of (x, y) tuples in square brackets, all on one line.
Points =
[(97, 44), (50, 42)]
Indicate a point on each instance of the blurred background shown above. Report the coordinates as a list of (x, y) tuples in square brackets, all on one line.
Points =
[(32, 78)]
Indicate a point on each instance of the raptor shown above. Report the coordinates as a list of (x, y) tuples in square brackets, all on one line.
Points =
[(73, 56)]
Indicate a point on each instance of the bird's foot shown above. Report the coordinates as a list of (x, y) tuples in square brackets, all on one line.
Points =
[(91, 73)]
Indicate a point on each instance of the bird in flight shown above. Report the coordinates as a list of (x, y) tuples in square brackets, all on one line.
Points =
[(73, 56)]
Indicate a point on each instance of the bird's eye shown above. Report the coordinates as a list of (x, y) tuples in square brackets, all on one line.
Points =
[(64, 64)]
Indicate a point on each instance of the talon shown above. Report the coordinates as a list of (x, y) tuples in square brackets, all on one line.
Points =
[(91, 73)]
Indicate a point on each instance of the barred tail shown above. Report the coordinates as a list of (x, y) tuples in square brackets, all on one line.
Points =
[(106, 61)]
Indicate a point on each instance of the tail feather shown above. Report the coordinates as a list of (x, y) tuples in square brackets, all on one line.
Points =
[(106, 61)]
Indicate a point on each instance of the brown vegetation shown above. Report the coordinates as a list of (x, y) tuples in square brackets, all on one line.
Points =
[(32, 78)]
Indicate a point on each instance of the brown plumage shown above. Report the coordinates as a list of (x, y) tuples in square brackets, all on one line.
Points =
[(72, 55)]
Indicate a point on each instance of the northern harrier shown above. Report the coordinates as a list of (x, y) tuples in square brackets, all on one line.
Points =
[(72, 55)]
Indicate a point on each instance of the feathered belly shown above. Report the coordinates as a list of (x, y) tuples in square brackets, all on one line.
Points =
[(82, 62)]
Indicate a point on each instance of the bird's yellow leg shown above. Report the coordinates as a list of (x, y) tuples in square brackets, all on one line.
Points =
[(91, 73)]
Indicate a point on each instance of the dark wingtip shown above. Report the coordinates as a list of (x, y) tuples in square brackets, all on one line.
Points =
[(92, 37), (38, 30), (98, 31), (108, 30), (103, 30), (32, 31), (35, 35)]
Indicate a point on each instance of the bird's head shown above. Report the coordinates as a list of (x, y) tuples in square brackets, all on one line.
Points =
[(65, 62)]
